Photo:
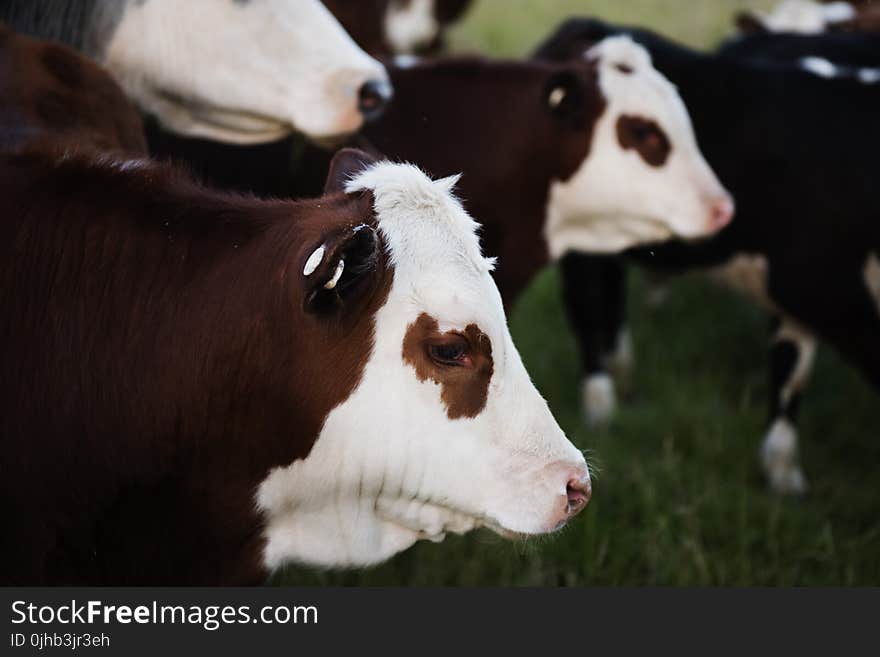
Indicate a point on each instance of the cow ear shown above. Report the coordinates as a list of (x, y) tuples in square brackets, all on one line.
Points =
[(564, 97), (346, 164), (748, 22), (339, 268)]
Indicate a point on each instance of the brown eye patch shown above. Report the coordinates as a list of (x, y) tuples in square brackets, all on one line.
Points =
[(646, 137), (460, 362)]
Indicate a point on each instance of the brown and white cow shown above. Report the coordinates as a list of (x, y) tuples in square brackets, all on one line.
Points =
[(51, 93), (199, 387), (240, 71)]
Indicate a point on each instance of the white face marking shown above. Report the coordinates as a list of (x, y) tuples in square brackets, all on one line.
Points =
[(242, 73), (410, 26), (616, 200), (313, 261), (819, 66), (871, 273), (390, 467), (805, 16)]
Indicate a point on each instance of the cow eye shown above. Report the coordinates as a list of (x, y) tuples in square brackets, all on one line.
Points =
[(451, 352)]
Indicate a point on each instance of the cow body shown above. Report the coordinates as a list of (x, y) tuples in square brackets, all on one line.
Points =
[(806, 230)]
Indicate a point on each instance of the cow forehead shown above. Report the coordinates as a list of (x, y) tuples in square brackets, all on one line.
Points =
[(433, 246), (627, 78), (423, 223)]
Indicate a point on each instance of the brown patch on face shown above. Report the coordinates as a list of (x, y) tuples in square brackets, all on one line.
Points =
[(646, 137), (460, 362)]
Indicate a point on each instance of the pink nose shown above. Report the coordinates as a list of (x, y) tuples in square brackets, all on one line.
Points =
[(721, 214), (578, 493)]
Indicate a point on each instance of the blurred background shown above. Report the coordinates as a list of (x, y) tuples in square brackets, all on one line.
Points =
[(679, 498)]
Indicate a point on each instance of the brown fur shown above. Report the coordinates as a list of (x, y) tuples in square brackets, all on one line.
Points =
[(49, 93), (465, 388), (157, 363), (646, 137)]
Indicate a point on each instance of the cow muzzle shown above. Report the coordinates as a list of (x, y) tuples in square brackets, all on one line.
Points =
[(373, 98)]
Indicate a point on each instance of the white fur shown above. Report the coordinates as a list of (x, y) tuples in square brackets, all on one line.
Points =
[(410, 26), (615, 200), (406, 61), (779, 457), (599, 398), (819, 66), (869, 75), (620, 361), (871, 273), (390, 467), (242, 73), (805, 16)]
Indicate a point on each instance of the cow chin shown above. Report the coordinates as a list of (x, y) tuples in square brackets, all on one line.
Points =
[(207, 121), (606, 233)]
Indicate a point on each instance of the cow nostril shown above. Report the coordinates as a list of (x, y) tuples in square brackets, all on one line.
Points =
[(373, 98), (578, 492), (721, 213)]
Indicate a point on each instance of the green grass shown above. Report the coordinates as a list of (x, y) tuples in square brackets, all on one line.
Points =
[(679, 499)]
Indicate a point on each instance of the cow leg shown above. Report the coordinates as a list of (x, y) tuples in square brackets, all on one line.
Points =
[(594, 296), (791, 361)]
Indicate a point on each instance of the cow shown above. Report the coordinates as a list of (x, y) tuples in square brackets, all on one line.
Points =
[(199, 386), (810, 17), (182, 63), (50, 93), (806, 240), (828, 55), (552, 155), (398, 27)]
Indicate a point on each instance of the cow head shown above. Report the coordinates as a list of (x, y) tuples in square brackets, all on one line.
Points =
[(245, 71), (643, 178), (443, 431)]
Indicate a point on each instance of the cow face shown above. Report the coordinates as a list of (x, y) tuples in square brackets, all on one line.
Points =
[(643, 178), (444, 432), (245, 71)]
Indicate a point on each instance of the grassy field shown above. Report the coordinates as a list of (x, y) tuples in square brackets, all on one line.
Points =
[(679, 499)]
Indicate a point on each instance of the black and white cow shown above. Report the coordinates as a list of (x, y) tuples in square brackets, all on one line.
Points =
[(811, 17), (807, 238), (238, 71)]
